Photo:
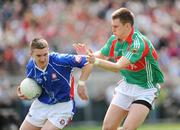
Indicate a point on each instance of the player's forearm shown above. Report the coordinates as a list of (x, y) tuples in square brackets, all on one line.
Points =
[(107, 65), (115, 67), (98, 54), (86, 70)]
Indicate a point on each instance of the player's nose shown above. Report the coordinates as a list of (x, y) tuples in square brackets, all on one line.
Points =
[(42, 59)]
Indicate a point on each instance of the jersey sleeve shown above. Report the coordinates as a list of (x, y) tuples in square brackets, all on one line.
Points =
[(29, 69), (70, 60), (77, 60), (135, 50), (105, 50)]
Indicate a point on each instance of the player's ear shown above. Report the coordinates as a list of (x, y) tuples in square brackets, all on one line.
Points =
[(127, 25)]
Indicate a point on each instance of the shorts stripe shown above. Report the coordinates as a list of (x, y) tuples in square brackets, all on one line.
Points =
[(143, 102)]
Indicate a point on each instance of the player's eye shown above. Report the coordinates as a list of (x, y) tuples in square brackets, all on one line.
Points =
[(45, 54), (114, 26), (38, 55)]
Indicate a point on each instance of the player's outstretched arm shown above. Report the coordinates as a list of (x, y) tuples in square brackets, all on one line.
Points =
[(107, 65)]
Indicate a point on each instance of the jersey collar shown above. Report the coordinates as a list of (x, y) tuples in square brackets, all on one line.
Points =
[(129, 38)]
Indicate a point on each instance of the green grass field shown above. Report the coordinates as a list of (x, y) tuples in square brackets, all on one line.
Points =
[(144, 127)]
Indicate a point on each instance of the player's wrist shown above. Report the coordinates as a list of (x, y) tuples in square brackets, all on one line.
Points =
[(96, 61), (81, 82)]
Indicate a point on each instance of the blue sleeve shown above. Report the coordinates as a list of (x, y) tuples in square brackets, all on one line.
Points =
[(29, 69), (70, 60), (77, 60)]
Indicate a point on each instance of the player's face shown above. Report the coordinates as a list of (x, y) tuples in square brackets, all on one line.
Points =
[(41, 57), (118, 29)]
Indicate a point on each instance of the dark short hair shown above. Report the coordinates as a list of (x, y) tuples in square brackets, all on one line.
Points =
[(38, 43), (124, 15)]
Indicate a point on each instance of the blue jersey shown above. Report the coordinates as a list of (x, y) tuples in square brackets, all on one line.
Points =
[(55, 79)]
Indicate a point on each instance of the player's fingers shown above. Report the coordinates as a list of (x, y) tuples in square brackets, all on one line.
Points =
[(83, 95), (20, 95), (79, 45), (89, 51), (18, 91), (76, 46), (89, 60), (86, 97), (23, 97)]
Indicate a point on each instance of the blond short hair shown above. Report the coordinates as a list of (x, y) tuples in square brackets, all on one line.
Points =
[(38, 43)]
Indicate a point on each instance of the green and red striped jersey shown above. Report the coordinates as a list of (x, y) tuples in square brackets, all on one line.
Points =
[(144, 69)]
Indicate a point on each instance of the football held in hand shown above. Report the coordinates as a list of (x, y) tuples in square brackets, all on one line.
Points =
[(30, 88)]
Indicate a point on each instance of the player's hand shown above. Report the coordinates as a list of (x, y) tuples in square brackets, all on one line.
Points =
[(82, 92), (20, 95), (91, 58), (81, 49)]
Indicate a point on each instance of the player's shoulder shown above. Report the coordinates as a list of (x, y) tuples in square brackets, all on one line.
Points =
[(110, 40), (30, 63), (137, 37), (60, 58), (112, 37), (56, 55), (136, 34)]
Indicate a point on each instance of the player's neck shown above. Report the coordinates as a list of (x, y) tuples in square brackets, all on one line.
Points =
[(126, 34), (42, 66)]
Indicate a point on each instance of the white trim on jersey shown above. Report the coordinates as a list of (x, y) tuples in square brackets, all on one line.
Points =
[(61, 65), (136, 46), (29, 72), (149, 74), (59, 74), (136, 43)]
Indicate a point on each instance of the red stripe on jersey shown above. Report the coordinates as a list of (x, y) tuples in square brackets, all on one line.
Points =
[(129, 38), (154, 54), (140, 64), (72, 87), (146, 50), (111, 53)]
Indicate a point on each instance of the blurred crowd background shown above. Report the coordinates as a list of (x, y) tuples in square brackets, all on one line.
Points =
[(64, 22)]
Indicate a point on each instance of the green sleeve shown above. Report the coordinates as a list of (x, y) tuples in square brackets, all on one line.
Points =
[(105, 50), (135, 50)]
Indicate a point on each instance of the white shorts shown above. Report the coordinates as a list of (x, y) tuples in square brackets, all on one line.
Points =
[(126, 94), (59, 114)]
